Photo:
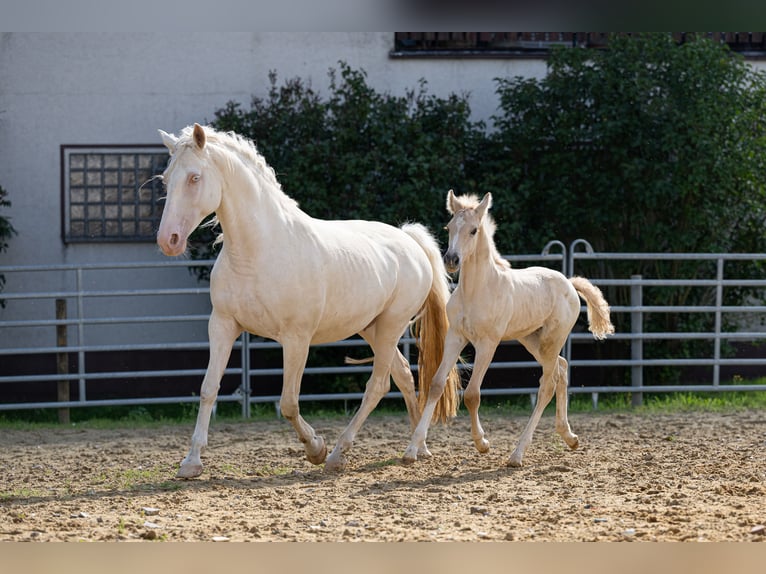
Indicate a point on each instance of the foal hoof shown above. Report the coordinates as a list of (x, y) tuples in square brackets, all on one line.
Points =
[(317, 454), (573, 442), (336, 462), (189, 471), (515, 460), (410, 455), (424, 453)]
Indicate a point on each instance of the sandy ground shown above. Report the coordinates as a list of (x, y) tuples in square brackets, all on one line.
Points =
[(672, 477)]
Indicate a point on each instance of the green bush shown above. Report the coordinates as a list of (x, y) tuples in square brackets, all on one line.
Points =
[(6, 231), (359, 154)]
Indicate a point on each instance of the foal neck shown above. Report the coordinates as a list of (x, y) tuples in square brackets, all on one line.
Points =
[(483, 264)]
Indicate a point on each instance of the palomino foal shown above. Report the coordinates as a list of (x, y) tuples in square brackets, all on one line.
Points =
[(493, 302)]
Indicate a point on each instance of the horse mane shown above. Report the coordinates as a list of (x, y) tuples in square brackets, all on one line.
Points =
[(244, 148), (488, 227)]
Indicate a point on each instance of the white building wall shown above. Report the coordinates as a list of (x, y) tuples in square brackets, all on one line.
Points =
[(74, 88)]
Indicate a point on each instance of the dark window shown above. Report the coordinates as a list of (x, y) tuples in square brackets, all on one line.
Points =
[(109, 193), (537, 44)]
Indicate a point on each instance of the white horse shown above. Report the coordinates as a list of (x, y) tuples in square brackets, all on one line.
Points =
[(493, 303), (284, 275)]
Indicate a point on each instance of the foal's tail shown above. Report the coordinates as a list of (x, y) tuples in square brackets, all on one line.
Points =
[(598, 309), (430, 329)]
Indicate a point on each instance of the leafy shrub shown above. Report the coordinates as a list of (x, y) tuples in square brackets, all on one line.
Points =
[(6, 231)]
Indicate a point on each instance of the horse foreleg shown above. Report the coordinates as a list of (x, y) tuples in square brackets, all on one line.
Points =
[(221, 332), (295, 354), (453, 344), (485, 350)]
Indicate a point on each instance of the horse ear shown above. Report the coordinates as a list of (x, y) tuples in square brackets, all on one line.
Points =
[(199, 136), (169, 140), (451, 202), (484, 205)]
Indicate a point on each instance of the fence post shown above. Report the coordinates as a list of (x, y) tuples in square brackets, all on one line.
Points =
[(62, 361), (717, 340), (245, 363), (636, 343)]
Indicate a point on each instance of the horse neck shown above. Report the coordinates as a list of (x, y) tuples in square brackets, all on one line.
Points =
[(478, 271), (253, 209)]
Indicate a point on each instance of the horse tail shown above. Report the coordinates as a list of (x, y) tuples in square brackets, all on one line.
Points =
[(599, 322), (430, 329)]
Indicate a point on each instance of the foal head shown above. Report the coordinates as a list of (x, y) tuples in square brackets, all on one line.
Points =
[(193, 185), (469, 215)]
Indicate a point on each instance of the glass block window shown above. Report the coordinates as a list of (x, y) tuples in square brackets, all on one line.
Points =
[(109, 194)]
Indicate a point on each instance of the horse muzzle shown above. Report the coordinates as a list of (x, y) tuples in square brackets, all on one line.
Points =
[(172, 244), (451, 262)]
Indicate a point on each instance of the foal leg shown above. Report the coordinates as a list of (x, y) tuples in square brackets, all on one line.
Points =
[(295, 354), (544, 395), (453, 344), (485, 350), (221, 332), (562, 422)]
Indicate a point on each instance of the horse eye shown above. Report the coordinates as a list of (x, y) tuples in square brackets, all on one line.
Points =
[(474, 230), (194, 178)]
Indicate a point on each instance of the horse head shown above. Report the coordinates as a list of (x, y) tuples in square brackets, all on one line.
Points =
[(468, 217), (193, 185)]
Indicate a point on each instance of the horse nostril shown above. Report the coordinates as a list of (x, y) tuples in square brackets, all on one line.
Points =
[(451, 260), (174, 239)]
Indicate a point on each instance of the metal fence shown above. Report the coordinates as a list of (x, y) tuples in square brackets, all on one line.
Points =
[(83, 286)]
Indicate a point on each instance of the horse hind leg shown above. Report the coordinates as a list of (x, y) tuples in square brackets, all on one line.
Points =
[(562, 422), (541, 350), (379, 383), (402, 375)]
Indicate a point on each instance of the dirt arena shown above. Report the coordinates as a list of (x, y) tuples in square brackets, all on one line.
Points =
[(694, 476)]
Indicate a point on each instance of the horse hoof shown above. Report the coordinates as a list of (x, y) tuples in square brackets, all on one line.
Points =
[(514, 462), (573, 443), (335, 464), (319, 455), (410, 455), (189, 471), (482, 445)]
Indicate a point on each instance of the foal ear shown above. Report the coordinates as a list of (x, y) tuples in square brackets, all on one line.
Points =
[(169, 140), (484, 205), (199, 136), (452, 205)]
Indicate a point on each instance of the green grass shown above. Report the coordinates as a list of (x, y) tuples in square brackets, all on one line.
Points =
[(158, 415)]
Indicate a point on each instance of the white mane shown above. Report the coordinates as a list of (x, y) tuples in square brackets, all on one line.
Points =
[(234, 145)]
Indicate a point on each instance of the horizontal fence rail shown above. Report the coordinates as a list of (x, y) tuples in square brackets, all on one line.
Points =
[(70, 296)]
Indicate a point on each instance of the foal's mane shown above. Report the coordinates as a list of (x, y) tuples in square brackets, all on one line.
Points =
[(488, 226)]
